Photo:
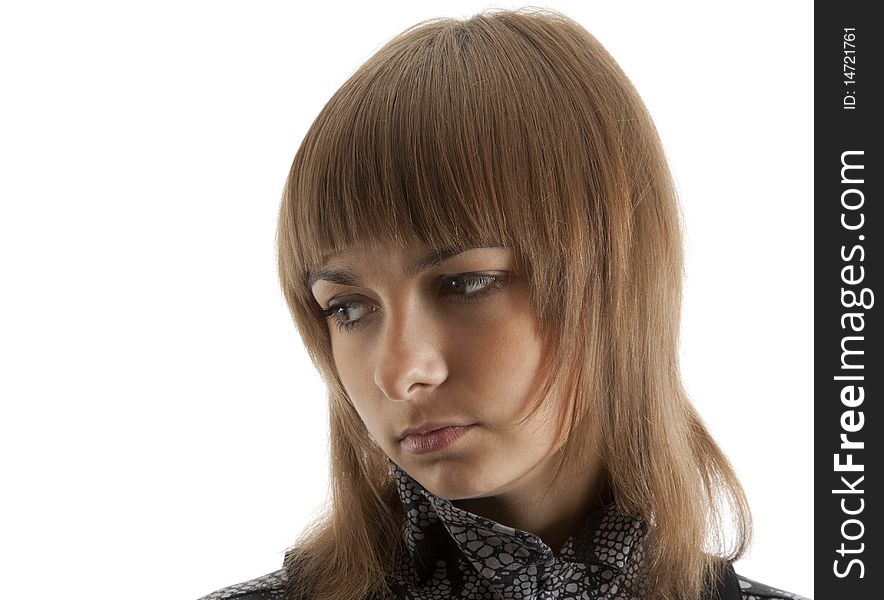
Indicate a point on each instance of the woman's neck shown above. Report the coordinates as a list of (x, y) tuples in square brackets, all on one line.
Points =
[(548, 501)]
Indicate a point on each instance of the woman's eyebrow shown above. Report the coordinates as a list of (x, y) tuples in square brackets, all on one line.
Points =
[(347, 277)]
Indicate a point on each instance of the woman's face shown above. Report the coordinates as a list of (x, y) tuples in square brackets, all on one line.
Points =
[(441, 355)]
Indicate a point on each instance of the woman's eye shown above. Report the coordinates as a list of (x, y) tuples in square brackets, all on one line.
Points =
[(469, 288), (346, 315)]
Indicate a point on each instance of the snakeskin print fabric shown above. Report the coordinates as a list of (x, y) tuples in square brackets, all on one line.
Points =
[(752, 590), (267, 587), (452, 553)]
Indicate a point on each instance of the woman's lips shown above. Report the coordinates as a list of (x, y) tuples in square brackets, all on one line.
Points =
[(432, 441)]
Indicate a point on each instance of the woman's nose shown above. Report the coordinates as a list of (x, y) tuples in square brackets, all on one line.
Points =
[(410, 357)]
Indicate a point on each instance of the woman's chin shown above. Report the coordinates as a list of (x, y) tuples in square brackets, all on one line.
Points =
[(451, 482)]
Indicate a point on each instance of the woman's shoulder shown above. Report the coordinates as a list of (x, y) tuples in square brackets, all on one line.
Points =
[(753, 590), (266, 587)]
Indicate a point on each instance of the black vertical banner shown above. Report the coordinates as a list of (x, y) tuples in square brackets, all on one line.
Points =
[(848, 365)]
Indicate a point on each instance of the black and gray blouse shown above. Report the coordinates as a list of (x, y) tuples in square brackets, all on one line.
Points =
[(452, 553)]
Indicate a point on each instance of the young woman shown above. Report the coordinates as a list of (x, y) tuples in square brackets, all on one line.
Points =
[(479, 243)]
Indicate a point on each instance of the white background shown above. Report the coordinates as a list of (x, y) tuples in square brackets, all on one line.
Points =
[(162, 431)]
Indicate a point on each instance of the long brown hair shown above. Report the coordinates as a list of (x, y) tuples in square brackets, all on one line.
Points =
[(517, 127)]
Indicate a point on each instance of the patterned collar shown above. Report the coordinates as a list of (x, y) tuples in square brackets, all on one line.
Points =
[(442, 539)]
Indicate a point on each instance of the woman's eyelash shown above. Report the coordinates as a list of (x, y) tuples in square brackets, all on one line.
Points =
[(487, 284), (459, 286)]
